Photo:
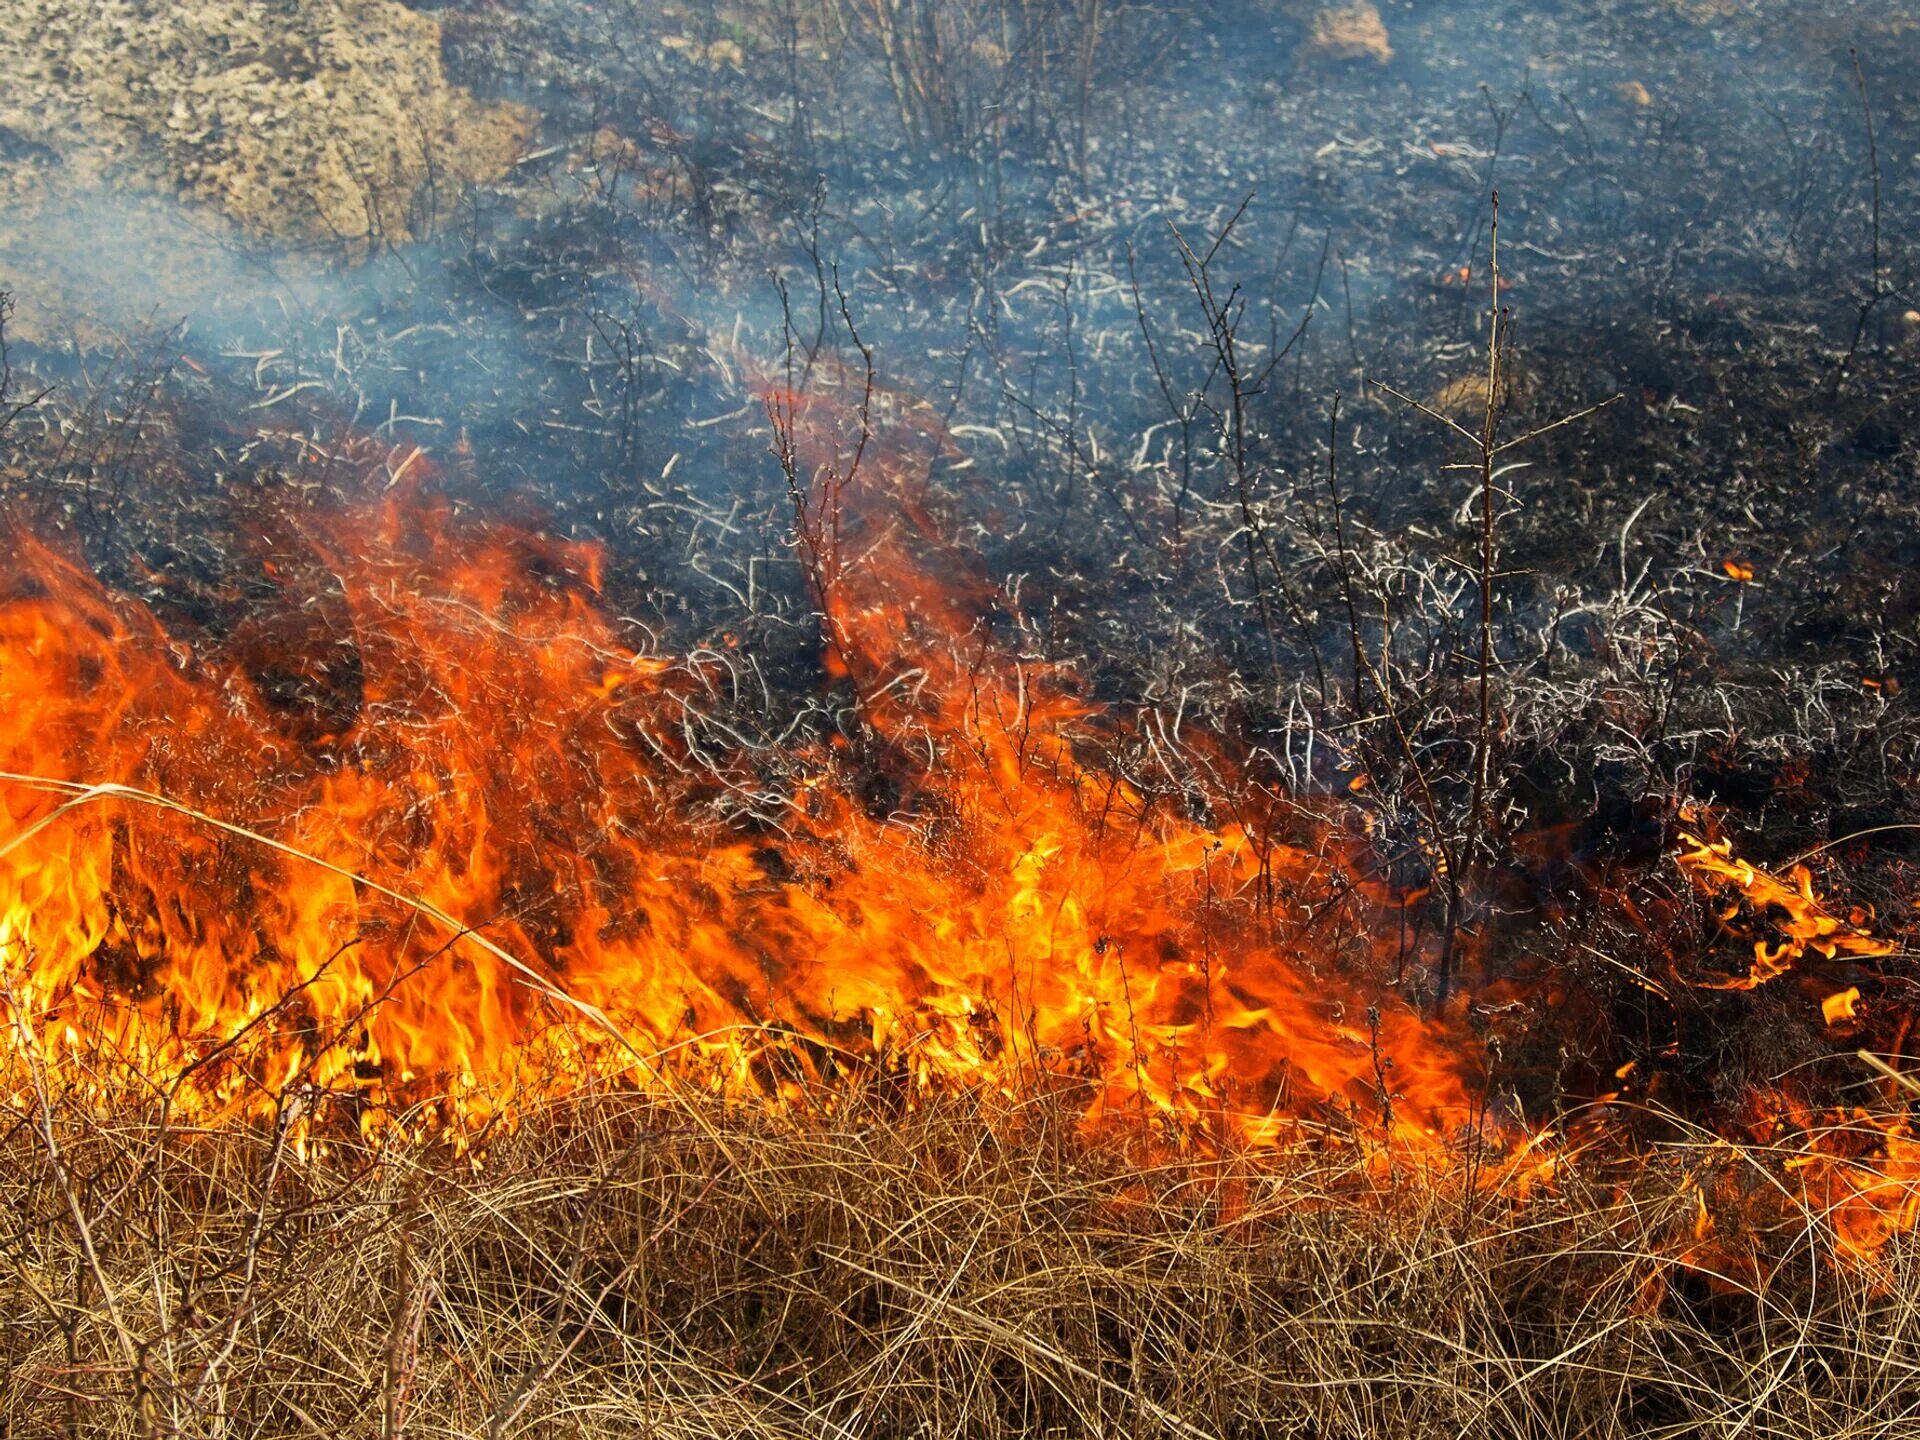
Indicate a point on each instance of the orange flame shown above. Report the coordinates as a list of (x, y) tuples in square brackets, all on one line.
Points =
[(1857, 1170), (1803, 924), (504, 858)]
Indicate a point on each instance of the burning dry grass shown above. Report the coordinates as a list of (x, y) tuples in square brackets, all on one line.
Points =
[(1043, 1102), (1019, 1234), (966, 1266)]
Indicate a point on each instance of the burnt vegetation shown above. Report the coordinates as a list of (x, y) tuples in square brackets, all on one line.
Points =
[(1489, 454)]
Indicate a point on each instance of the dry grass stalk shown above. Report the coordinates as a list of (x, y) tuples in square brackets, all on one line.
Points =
[(957, 1266)]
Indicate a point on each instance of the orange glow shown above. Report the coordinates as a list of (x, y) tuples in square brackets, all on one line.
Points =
[(1859, 1169)]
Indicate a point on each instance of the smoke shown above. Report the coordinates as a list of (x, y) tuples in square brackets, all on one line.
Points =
[(1609, 129), (1010, 246)]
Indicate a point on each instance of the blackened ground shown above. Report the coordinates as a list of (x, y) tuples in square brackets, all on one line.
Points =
[(1705, 591)]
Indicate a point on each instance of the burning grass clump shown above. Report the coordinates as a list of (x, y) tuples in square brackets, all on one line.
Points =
[(616, 1265)]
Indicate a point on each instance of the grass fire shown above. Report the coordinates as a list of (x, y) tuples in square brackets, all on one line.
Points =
[(1000, 717)]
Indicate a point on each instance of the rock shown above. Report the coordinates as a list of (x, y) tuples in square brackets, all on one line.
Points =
[(1352, 31), (1462, 397), (215, 98)]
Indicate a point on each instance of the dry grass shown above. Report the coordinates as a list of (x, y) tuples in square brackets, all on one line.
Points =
[(623, 1266)]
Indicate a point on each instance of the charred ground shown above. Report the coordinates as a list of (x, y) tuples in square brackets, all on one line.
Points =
[(1012, 204)]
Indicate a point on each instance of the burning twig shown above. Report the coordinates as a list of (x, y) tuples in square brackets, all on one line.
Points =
[(1804, 924)]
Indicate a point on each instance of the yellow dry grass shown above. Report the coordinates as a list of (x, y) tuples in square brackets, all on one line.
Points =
[(956, 1266)]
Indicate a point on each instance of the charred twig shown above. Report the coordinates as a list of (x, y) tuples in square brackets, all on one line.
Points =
[(1223, 316), (818, 497), (1876, 290), (1459, 850), (10, 408)]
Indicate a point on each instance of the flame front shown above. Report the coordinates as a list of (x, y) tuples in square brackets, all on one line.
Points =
[(506, 827)]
